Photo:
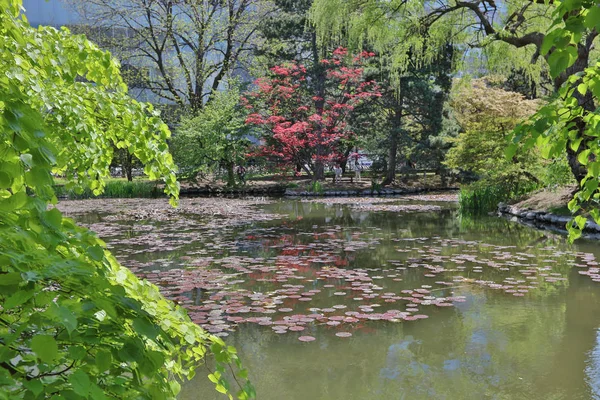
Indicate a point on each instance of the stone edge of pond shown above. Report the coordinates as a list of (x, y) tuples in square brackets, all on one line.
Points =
[(544, 219), (365, 192)]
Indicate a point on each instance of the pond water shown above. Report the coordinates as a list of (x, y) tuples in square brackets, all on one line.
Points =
[(377, 298)]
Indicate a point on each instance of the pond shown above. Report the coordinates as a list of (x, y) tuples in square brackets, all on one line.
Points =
[(371, 298)]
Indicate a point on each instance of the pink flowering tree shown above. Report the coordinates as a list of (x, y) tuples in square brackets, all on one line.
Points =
[(305, 123)]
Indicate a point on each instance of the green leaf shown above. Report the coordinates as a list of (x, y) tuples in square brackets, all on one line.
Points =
[(592, 18), (17, 299), (590, 186), (595, 213), (45, 348), (35, 386), (221, 389), (64, 316), (561, 59), (583, 157), (594, 168), (5, 180), (213, 378), (573, 205), (53, 218), (77, 352), (80, 382), (175, 386), (132, 351), (549, 39), (576, 143), (96, 253), (144, 327), (103, 360), (575, 24), (5, 380), (10, 279), (510, 151), (580, 221)]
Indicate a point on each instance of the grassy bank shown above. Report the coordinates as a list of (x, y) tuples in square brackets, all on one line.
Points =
[(115, 188), (479, 198)]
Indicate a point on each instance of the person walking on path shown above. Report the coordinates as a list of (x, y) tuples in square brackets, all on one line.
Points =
[(338, 174), (357, 170)]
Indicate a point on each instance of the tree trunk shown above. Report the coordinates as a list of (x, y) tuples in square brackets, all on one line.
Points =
[(344, 161), (442, 172), (319, 79), (390, 173), (230, 174), (128, 165), (319, 171)]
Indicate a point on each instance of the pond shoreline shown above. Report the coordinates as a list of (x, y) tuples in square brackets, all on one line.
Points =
[(545, 220), (280, 191), (366, 192)]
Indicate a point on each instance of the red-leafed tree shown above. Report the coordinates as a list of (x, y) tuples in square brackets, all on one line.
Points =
[(304, 123)]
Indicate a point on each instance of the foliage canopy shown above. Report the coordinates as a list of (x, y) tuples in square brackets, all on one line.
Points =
[(304, 129), (73, 322), (217, 136), (561, 33), (487, 115)]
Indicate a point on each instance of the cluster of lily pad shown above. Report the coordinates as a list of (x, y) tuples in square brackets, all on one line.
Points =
[(244, 266)]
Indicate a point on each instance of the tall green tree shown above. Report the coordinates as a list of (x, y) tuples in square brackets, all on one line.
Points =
[(73, 322), (216, 137), (288, 37), (505, 34), (415, 107)]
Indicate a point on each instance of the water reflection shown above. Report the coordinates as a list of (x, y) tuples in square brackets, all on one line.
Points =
[(527, 328)]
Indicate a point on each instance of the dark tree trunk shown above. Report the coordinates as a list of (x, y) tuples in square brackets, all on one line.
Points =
[(319, 79), (586, 102), (442, 172), (319, 171), (390, 173), (344, 161), (127, 165), (230, 174)]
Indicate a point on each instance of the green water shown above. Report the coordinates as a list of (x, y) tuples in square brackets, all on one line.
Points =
[(521, 322)]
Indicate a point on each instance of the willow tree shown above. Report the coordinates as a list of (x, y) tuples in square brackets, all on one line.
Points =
[(532, 35), (504, 34)]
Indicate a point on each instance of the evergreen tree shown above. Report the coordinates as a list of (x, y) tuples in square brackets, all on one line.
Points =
[(413, 105), (288, 36)]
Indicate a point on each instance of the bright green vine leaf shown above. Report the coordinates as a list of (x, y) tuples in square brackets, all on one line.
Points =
[(69, 311), (45, 348)]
